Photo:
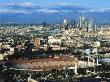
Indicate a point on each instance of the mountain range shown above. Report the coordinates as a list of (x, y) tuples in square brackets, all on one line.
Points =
[(29, 14)]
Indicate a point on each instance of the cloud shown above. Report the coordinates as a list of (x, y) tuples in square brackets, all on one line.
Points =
[(104, 10), (97, 10), (25, 7), (68, 7), (6, 11), (67, 4), (48, 11), (24, 4), (7, 4), (29, 8), (27, 4)]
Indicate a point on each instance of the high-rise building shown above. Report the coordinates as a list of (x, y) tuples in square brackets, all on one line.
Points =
[(81, 22), (90, 24), (74, 24), (44, 24), (64, 26), (86, 23), (65, 22)]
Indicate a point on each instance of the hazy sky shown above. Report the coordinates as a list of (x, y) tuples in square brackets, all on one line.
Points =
[(94, 4), (49, 6), (43, 10)]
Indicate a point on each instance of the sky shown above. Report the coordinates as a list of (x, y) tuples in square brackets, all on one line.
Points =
[(44, 7), (92, 4), (95, 4)]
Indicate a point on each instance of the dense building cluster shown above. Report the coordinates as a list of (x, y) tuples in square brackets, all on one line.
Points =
[(71, 45)]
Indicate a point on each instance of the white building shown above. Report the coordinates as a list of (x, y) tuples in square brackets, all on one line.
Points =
[(1, 57), (54, 40), (97, 44)]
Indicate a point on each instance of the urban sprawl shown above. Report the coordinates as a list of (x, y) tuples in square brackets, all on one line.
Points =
[(67, 52)]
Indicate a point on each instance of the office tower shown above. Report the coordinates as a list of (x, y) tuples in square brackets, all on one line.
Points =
[(90, 24), (86, 23), (65, 22), (74, 24), (44, 24), (81, 22), (64, 26)]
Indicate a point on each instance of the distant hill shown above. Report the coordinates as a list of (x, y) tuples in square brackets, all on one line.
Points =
[(36, 18)]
